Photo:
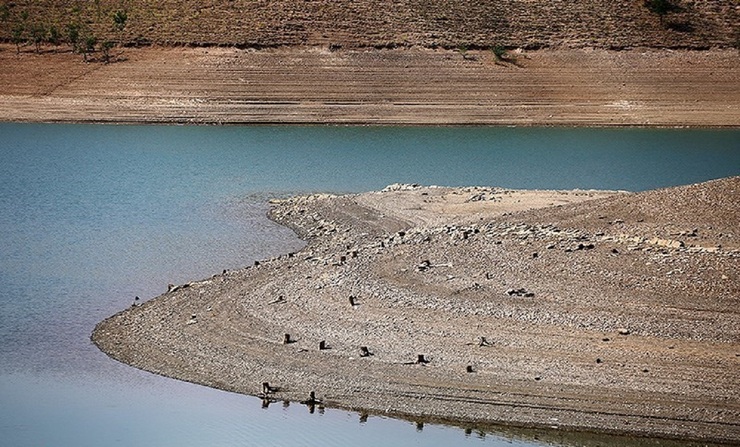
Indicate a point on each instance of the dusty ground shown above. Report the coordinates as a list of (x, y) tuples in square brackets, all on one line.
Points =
[(582, 87), (600, 311)]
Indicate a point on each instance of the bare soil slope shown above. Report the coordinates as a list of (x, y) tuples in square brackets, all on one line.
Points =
[(401, 86), (576, 309)]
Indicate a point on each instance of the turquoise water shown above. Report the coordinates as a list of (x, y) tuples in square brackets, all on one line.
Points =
[(91, 216)]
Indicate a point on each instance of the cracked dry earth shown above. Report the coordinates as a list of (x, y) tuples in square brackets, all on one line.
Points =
[(595, 310)]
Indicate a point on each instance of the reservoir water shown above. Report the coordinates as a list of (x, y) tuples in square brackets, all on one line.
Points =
[(92, 216)]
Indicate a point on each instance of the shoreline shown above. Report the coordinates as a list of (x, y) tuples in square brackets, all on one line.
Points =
[(397, 87), (594, 352)]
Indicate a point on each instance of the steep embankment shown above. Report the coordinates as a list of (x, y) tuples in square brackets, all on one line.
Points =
[(481, 305)]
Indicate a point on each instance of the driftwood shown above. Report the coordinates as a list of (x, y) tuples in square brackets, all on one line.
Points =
[(173, 288), (280, 299), (481, 342)]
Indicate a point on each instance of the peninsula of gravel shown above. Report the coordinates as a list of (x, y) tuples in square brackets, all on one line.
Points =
[(582, 310)]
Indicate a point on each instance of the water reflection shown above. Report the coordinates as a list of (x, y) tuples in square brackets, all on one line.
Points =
[(403, 430)]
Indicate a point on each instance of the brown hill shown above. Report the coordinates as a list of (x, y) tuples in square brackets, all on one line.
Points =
[(374, 23)]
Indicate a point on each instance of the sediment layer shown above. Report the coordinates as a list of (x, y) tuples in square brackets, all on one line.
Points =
[(313, 85)]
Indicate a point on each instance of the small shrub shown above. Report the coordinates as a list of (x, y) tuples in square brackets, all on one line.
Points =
[(89, 46), (119, 19), (661, 7), (18, 36), (38, 35), (4, 12), (53, 37), (105, 47), (73, 36), (499, 52)]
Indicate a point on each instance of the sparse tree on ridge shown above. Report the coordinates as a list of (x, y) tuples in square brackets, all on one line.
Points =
[(88, 45), (53, 36), (18, 30), (73, 35), (105, 47), (38, 35)]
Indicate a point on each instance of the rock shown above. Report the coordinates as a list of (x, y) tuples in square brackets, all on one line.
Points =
[(424, 265), (401, 187), (520, 292), (623, 331)]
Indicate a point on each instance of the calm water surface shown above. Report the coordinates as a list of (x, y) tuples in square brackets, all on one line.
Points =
[(91, 216)]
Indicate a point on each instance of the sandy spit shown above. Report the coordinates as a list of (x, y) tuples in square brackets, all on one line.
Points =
[(589, 310)]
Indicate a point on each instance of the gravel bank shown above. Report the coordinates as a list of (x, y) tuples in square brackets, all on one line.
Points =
[(601, 311)]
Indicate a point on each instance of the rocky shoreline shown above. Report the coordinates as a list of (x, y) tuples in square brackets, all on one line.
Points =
[(585, 310)]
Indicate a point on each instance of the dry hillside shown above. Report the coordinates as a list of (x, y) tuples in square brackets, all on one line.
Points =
[(695, 24)]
